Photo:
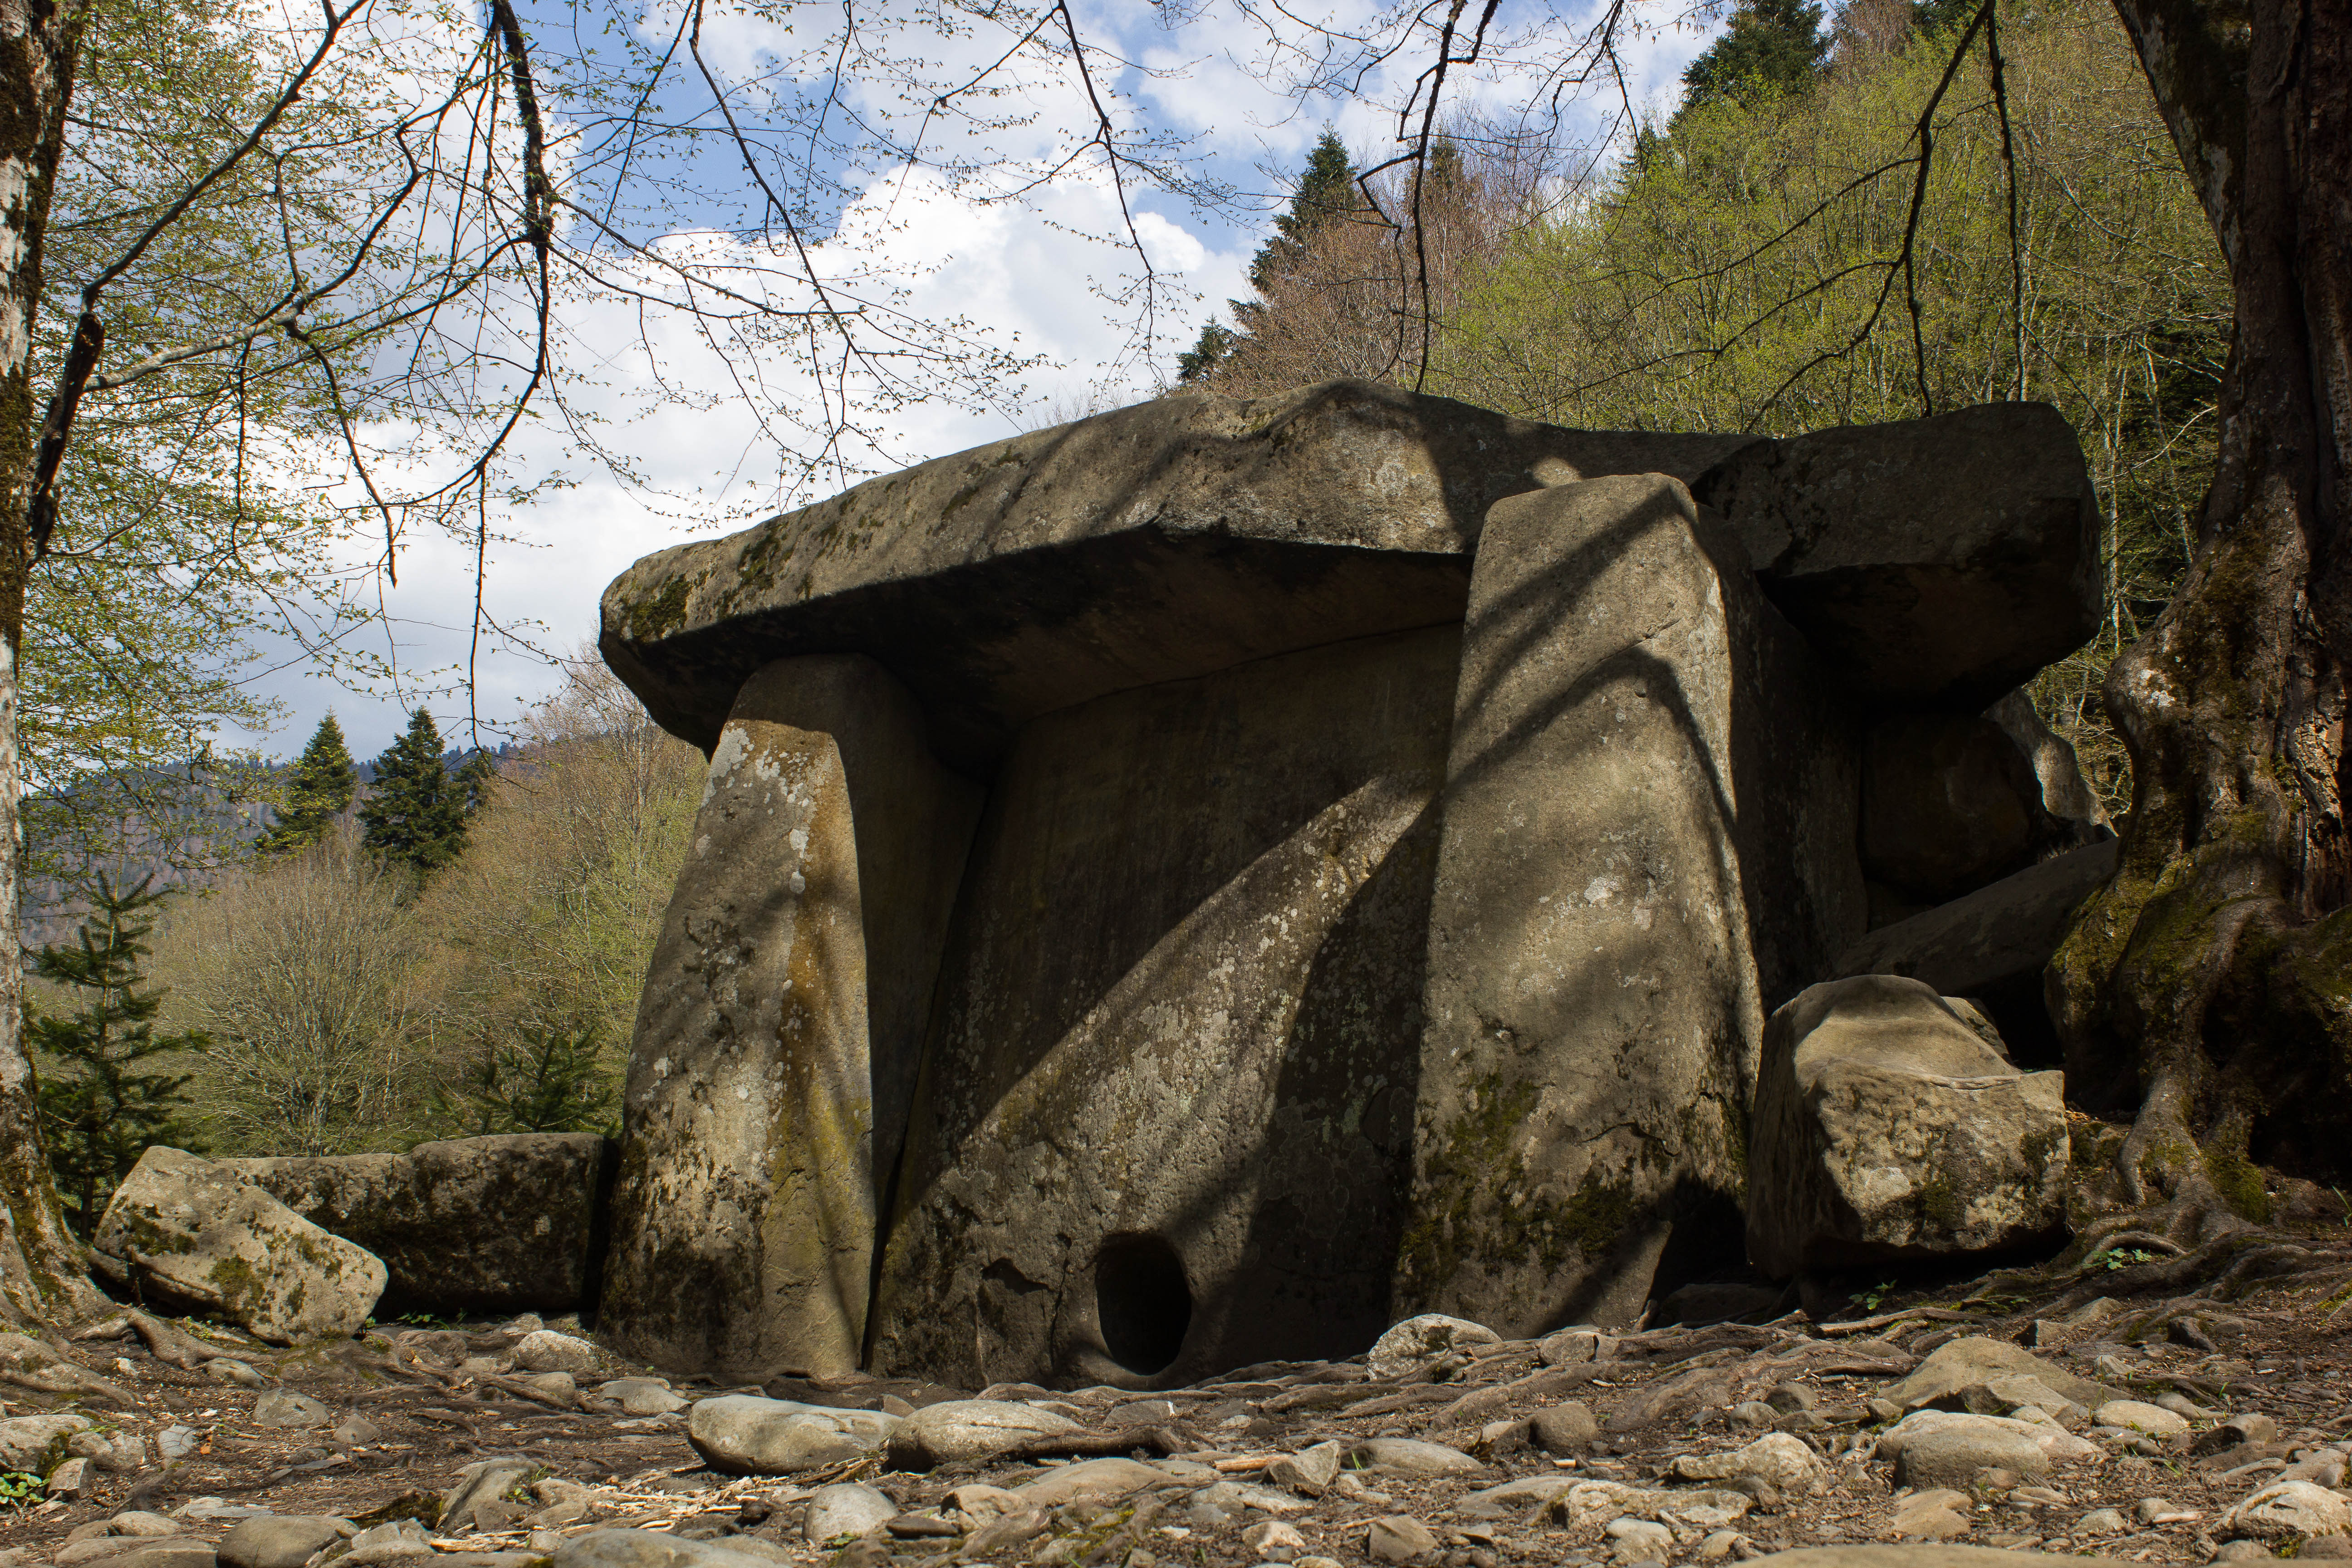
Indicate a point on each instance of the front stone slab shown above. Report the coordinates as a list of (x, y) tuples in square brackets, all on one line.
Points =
[(765, 1053), (1168, 1095), (1648, 833)]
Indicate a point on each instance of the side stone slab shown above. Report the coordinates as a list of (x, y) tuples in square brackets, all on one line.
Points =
[(1648, 839), (776, 1041)]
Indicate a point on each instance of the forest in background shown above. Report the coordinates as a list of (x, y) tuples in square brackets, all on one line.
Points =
[(1741, 269), (333, 996)]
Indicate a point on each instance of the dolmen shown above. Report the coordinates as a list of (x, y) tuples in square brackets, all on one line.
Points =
[(1191, 887)]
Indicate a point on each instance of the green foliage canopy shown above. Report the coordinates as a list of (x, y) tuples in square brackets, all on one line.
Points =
[(318, 789), (415, 814)]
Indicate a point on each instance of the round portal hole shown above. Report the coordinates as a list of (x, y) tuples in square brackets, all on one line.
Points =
[(1142, 1301)]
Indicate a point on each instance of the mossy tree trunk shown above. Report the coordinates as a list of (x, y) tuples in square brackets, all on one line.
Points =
[(2208, 990), (41, 1271)]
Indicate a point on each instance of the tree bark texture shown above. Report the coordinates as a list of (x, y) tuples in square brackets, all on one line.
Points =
[(42, 1277), (2208, 989)]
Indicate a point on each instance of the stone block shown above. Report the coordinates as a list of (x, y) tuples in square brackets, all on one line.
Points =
[(504, 1223), (1648, 838)]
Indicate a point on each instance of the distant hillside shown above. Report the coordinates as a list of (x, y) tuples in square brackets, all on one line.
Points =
[(183, 826)]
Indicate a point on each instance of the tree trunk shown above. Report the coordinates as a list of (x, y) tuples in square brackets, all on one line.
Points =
[(41, 1271), (2208, 989)]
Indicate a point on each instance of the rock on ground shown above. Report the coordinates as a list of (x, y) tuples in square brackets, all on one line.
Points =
[(961, 1430), (187, 1228), (499, 1224), (1887, 1127), (743, 1433)]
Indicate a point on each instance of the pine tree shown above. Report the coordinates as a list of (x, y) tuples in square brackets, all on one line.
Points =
[(319, 788), (550, 1080), (1217, 341), (98, 1111), (414, 815), (1772, 46), (1326, 190)]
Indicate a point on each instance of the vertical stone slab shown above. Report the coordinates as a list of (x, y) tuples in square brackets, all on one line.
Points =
[(776, 1041), (1648, 830)]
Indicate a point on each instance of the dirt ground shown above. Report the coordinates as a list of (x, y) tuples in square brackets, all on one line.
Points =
[(2278, 1349)]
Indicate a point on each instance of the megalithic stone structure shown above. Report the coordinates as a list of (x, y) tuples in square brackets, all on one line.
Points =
[(1144, 916)]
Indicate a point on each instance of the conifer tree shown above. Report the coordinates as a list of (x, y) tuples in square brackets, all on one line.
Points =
[(1774, 47), (100, 1111), (414, 815), (1326, 190), (319, 788)]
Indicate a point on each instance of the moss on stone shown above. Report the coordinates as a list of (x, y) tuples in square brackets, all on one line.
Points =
[(661, 613)]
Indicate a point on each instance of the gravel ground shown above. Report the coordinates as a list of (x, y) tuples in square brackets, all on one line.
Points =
[(1656, 1397)]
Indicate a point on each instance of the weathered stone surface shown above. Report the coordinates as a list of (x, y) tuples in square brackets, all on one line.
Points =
[(845, 1508), (465, 1225), (1945, 559), (957, 1429), (1147, 545), (781, 1027), (1409, 1344), (32, 1442), (643, 1396), (480, 1484), (544, 1350), (1105, 1478), (1992, 944), (1938, 1449), (1777, 1459), (2290, 1511), (1913, 1556), (2139, 1415), (1949, 804), (653, 1549), (2066, 795), (190, 1229), (744, 1435), (1887, 1127), (1648, 834), (1168, 1095), (284, 1541), (284, 1407), (1410, 1457)]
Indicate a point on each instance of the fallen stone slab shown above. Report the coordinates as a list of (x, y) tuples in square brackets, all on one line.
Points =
[(499, 1224), (1992, 944), (195, 1231), (1921, 586), (1107, 1477), (1886, 1128), (1410, 1457)]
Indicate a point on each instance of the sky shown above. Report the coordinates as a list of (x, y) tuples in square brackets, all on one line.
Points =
[(1031, 278)]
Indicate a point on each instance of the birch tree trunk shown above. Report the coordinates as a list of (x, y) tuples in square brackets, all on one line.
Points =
[(2208, 990), (41, 1272)]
